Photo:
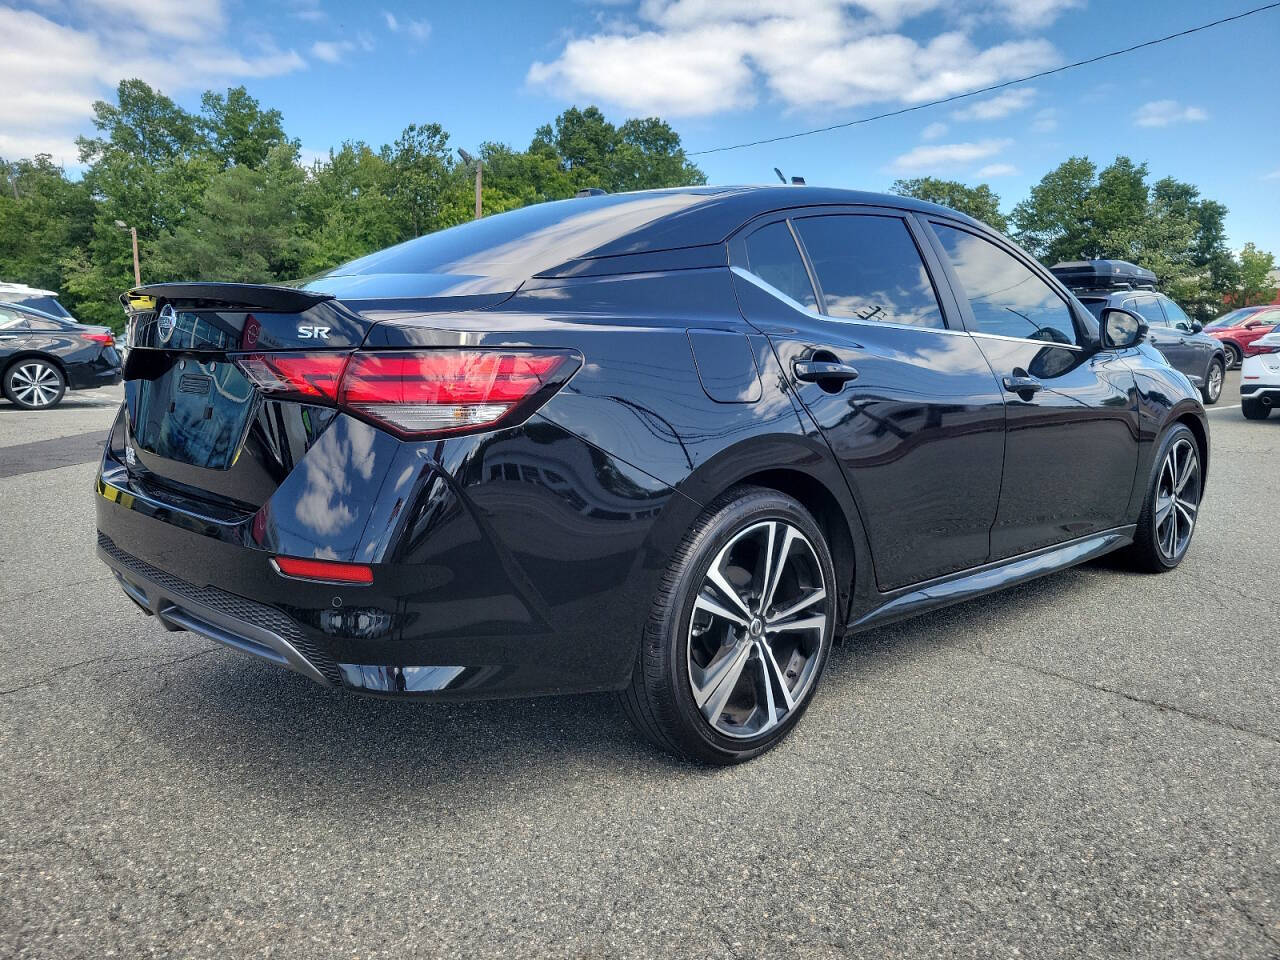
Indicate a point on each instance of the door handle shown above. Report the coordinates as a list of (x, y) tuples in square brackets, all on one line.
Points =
[(1022, 384), (814, 371)]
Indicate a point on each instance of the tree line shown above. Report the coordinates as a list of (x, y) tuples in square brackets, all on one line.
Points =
[(222, 193)]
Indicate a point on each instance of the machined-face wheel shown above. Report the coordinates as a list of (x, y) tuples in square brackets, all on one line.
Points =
[(1177, 503), (34, 384), (1234, 356), (757, 629), (1213, 388)]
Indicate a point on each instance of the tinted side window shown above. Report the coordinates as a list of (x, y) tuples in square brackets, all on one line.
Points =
[(1006, 298), (1268, 318), (772, 255), (10, 320), (1149, 309), (47, 304), (869, 269)]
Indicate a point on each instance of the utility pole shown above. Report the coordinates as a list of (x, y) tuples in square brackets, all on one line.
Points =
[(133, 235), (468, 158)]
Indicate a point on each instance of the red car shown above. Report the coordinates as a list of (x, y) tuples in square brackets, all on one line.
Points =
[(1238, 329)]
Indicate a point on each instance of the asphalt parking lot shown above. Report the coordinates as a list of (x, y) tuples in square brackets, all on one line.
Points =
[(1088, 765)]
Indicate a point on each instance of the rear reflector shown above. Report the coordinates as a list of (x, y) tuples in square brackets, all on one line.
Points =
[(327, 571), (420, 393)]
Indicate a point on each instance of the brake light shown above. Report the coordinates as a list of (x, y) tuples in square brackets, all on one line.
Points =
[(103, 338), (327, 571), (421, 393), (311, 376)]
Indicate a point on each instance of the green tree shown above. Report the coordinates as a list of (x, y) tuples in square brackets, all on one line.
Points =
[(1051, 223), (248, 229), (42, 216), (1255, 284), (237, 130), (980, 202)]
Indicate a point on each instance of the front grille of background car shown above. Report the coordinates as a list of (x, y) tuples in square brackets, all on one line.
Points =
[(229, 604)]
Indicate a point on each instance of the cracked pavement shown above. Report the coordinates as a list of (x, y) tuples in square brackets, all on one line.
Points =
[(1087, 765)]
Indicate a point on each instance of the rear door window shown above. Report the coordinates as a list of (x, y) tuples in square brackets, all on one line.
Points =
[(772, 255), (869, 268), (1007, 298)]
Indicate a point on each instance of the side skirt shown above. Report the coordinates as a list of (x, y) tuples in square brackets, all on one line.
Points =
[(992, 577)]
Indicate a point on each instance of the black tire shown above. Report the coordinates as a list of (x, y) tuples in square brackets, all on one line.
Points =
[(661, 700), (1214, 377), (1253, 409), (1234, 356), (1150, 550), (34, 383)]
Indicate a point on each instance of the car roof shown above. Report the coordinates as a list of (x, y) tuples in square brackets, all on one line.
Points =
[(716, 212), (26, 291)]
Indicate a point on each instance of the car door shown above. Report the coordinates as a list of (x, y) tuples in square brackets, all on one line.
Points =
[(1257, 326), (1161, 333), (1071, 448), (899, 390), (1199, 347)]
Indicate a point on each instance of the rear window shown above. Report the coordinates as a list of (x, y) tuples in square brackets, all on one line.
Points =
[(44, 304), (520, 243)]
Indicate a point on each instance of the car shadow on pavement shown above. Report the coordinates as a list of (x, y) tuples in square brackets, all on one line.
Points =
[(239, 719)]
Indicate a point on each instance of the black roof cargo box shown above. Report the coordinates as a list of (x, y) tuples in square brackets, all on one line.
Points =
[(1103, 275)]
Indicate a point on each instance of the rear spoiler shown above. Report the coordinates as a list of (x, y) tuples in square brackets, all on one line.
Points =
[(255, 296)]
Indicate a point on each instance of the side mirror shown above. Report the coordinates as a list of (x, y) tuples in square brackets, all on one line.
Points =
[(1196, 326), (1121, 329)]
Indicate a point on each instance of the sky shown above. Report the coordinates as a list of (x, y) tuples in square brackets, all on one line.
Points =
[(1202, 109)]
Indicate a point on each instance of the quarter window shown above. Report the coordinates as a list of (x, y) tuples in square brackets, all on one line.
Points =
[(772, 256), (870, 269), (1006, 297)]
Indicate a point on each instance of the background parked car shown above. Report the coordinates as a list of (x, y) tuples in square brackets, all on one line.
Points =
[(1238, 330), (1260, 378), (46, 301), (43, 356), (1100, 284)]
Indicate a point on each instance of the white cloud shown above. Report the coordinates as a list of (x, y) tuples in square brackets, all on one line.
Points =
[(934, 131), (331, 51), (420, 29), (947, 155), (392, 23), (996, 170), (1045, 121), (82, 48), (1032, 14), (690, 57), (1001, 105), (1273, 175), (1162, 113)]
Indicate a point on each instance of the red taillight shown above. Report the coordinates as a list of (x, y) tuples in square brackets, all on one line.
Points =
[(103, 338), (419, 393), (446, 391), (328, 571), (313, 376)]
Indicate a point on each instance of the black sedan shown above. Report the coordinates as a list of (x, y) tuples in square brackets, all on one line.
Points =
[(43, 356), (671, 443)]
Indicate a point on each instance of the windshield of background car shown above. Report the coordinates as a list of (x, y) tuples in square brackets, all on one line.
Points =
[(1229, 319)]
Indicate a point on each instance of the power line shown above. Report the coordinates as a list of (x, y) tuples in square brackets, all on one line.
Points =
[(995, 86)]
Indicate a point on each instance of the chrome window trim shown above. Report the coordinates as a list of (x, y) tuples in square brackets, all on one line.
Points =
[(1043, 343), (882, 324)]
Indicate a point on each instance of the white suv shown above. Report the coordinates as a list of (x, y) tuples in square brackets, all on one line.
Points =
[(1260, 378)]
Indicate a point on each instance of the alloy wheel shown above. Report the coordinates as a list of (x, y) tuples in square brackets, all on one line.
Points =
[(1177, 498), (757, 629), (1215, 381), (35, 384)]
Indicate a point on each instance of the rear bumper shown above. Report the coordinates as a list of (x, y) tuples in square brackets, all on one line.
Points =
[(510, 564)]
